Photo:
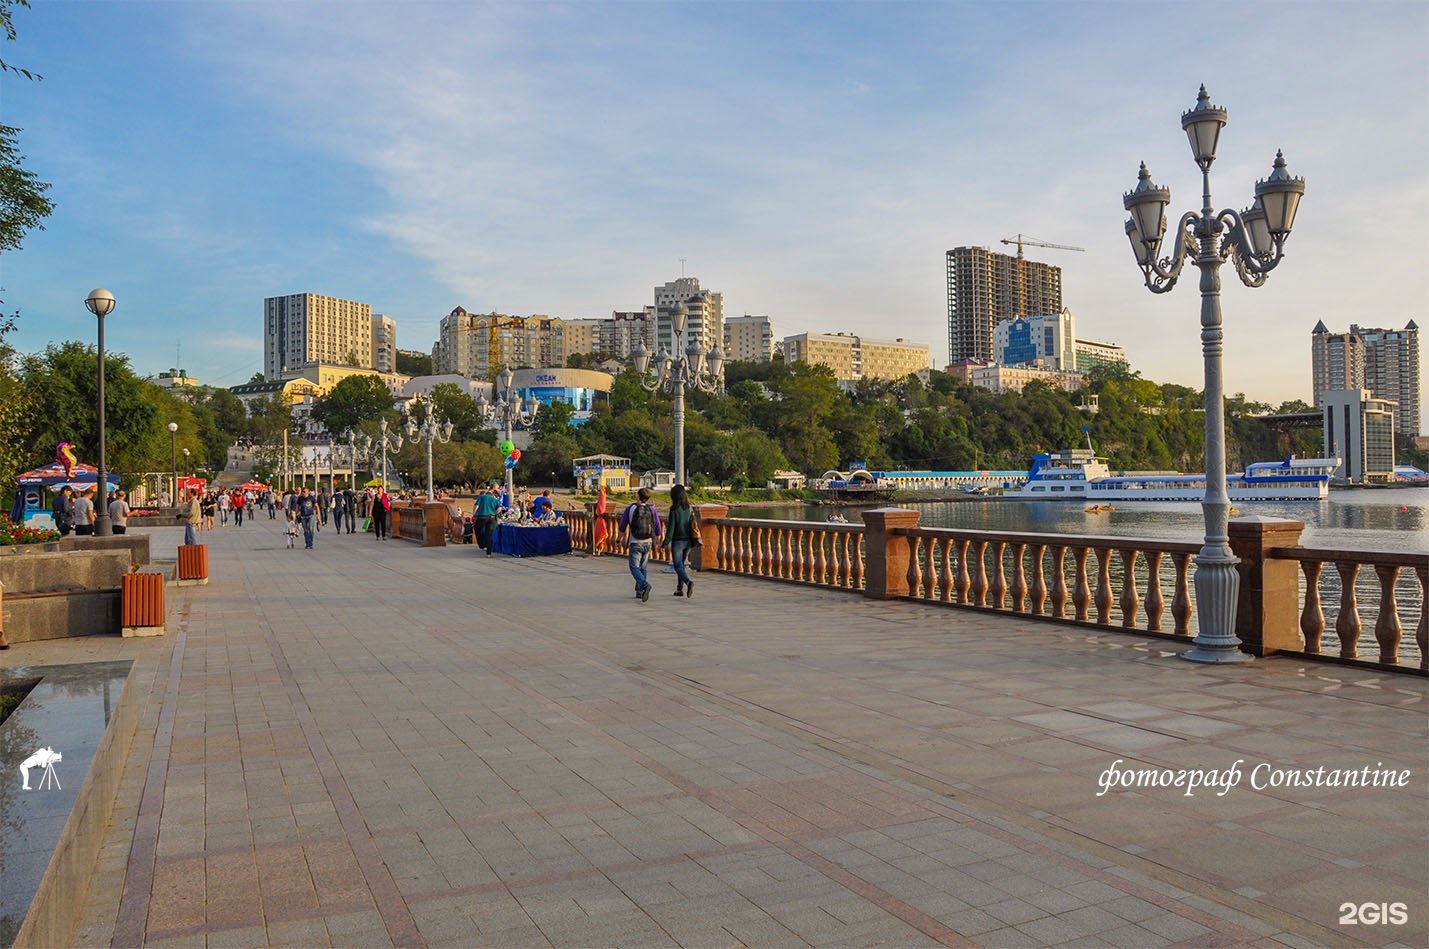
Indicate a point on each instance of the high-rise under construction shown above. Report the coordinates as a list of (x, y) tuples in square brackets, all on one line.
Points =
[(984, 287)]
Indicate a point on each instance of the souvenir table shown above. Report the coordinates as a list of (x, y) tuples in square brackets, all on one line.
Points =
[(516, 541)]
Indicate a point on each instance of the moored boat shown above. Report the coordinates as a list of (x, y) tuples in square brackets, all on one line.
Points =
[(1080, 475)]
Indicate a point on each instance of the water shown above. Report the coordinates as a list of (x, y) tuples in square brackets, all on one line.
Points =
[(1391, 519), (1387, 520)]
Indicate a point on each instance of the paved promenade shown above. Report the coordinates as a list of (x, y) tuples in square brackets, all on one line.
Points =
[(370, 744)]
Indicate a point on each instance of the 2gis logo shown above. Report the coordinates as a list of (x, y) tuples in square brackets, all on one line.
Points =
[(1373, 914)]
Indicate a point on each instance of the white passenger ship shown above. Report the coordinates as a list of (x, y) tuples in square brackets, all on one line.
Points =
[(1078, 475)]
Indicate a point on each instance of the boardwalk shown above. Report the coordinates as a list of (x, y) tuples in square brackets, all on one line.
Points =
[(371, 743)]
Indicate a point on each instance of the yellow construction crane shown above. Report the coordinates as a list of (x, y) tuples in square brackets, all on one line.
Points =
[(493, 348), (1019, 240)]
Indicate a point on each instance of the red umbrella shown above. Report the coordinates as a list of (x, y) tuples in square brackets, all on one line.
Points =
[(252, 486)]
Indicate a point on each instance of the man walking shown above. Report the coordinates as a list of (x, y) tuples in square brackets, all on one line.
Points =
[(339, 505), (307, 512), (641, 526), (193, 518)]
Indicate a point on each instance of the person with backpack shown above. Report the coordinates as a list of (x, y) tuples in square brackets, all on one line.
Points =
[(641, 526)]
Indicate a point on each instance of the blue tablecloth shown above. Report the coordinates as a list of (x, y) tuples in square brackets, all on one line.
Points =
[(531, 541)]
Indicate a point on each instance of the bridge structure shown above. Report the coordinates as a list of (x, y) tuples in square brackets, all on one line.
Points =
[(378, 743)]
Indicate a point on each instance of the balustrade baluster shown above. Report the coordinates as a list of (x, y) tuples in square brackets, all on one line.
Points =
[(999, 578), (1103, 595), (980, 578), (945, 577), (786, 538), (1019, 578), (822, 555), (1130, 602), (1422, 635), (913, 575), (962, 582), (853, 566), (838, 559), (1155, 602), (1081, 590), (1347, 624), (746, 550), (930, 569), (1181, 607), (1312, 617), (1387, 630), (1039, 580), (1059, 585)]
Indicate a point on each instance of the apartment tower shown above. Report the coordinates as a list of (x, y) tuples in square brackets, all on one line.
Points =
[(301, 329), (983, 289), (1384, 361)]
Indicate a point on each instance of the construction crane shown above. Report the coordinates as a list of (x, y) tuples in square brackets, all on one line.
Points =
[(493, 347), (1019, 240)]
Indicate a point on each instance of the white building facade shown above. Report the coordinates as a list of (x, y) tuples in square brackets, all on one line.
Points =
[(304, 328), (748, 338), (1359, 429), (1050, 339)]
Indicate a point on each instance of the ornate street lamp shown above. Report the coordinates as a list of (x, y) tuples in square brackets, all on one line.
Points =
[(692, 368), (1254, 240), (101, 303), (509, 410), (383, 444), (429, 430), (173, 464)]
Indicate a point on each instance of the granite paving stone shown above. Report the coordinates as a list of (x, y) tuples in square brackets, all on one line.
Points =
[(382, 744)]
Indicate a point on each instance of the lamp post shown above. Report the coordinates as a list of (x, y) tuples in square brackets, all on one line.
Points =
[(691, 368), (331, 465), (382, 444), (186, 461), (1254, 240), (509, 410), (173, 463), (351, 458), (101, 303), (429, 430)]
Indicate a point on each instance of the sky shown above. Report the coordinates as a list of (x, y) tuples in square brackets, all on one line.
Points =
[(811, 161)]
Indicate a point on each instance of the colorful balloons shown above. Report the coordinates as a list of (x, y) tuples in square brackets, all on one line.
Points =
[(507, 447), (510, 462), (515, 454), (64, 454)]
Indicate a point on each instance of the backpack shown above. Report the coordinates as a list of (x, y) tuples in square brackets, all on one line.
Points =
[(642, 522)]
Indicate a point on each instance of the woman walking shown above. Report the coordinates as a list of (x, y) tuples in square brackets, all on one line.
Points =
[(682, 533)]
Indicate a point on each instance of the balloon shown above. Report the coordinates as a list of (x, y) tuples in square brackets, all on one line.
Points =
[(64, 454), (515, 454), (511, 462), (507, 447)]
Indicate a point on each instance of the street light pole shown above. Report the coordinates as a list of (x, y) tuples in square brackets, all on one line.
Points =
[(101, 303), (1254, 240), (429, 429), (509, 410), (173, 464), (690, 367)]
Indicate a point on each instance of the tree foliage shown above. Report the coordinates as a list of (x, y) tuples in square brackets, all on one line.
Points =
[(353, 400)]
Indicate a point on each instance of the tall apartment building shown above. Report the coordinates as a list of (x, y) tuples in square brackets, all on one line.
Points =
[(1359, 429), (705, 324), (384, 343), (480, 345), (1384, 361), (300, 329), (1026, 340), (983, 290), (853, 357), (617, 335), (749, 338)]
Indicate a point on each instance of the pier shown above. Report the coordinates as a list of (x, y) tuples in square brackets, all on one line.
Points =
[(380, 743)]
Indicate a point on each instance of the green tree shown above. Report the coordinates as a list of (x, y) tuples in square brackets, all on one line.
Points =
[(549, 454), (454, 405), (64, 379), (552, 418), (413, 364), (352, 401)]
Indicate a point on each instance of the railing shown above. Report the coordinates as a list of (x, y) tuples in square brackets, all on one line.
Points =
[(826, 555), (1102, 581), (1129, 584), (1391, 576)]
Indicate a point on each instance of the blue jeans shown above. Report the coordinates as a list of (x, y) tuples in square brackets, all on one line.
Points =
[(679, 550), (307, 530), (190, 535), (639, 554)]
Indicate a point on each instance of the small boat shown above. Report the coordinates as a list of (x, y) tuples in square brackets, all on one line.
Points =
[(1079, 475)]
